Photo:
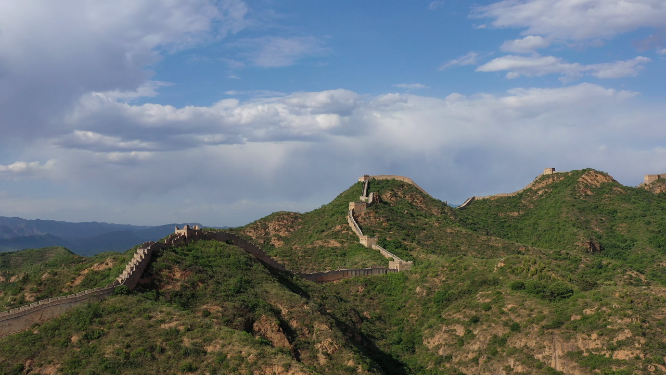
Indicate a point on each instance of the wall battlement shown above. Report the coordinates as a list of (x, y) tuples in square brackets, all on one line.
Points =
[(188, 232), (357, 207), (649, 178)]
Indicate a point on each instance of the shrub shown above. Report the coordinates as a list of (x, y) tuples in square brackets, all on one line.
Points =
[(442, 296), (517, 285), (514, 327), (121, 290), (188, 367), (558, 291)]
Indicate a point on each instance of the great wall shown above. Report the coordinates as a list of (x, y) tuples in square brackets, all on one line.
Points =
[(469, 200), (365, 201), (22, 318)]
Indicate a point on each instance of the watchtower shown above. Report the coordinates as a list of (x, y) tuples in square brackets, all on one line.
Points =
[(187, 231)]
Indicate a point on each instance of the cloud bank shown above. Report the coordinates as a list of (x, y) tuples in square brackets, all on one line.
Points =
[(575, 20), (306, 147)]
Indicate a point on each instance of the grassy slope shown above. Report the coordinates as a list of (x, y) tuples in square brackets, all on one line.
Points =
[(317, 240), (567, 211), (474, 303), (414, 225), (34, 274), (492, 290), (207, 307), (409, 223)]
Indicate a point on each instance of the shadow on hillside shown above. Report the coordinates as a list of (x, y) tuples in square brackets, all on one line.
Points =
[(366, 345), (363, 343), (286, 278)]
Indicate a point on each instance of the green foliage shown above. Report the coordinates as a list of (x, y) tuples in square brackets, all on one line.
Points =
[(496, 273), (121, 290), (597, 362), (554, 291), (517, 285)]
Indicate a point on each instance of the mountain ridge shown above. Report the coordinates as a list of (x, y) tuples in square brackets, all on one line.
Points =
[(502, 286)]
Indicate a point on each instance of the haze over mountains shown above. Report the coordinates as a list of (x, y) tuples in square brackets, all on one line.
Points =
[(87, 238)]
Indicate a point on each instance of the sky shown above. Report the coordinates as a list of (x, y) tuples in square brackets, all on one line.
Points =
[(149, 112)]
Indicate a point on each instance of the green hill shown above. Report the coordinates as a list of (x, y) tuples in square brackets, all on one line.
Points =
[(207, 307), (565, 277), (582, 211), (34, 274)]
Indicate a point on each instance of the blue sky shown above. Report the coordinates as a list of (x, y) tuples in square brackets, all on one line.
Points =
[(147, 112)]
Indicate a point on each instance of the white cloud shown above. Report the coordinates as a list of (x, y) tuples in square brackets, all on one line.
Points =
[(662, 52), (256, 93), (273, 51), (410, 86), (618, 69), (468, 59), (575, 19), (53, 52), (528, 44), (147, 89), (233, 64), (530, 66), (94, 141), (436, 4), (306, 147), (22, 169)]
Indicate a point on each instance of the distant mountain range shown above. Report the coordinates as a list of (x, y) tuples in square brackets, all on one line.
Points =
[(82, 238)]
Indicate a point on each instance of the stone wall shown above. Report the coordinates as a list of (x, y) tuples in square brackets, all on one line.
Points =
[(357, 207), (134, 269), (392, 177), (546, 171), (395, 263), (187, 231), (249, 247), (467, 202), (368, 241), (366, 184), (24, 317), (353, 224), (336, 275), (649, 178)]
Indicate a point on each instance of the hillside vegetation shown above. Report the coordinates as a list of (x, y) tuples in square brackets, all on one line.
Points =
[(34, 274), (565, 277), (206, 307)]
